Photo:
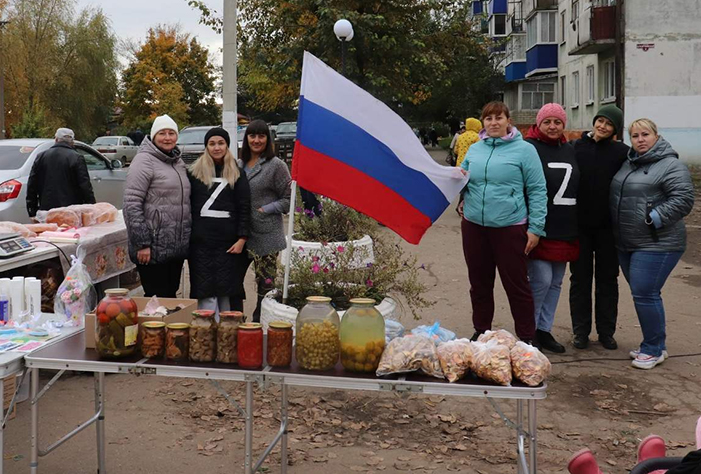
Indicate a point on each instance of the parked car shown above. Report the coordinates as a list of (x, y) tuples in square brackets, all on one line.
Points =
[(17, 157), (286, 135), (191, 142), (116, 148)]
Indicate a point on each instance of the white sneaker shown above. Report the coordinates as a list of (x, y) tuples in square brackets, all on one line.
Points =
[(634, 354), (646, 362)]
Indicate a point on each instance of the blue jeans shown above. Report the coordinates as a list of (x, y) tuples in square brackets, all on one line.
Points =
[(546, 282), (646, 273)]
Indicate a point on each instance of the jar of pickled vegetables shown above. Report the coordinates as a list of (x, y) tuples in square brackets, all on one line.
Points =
[(227, 333), (250, 345), (203, 336), (177, 341), (362, 336), (279, 344), (117, 324), (153, 339), (317, 344)]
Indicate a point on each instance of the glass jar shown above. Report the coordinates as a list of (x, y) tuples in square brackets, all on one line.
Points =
[(153, 339), (116, 325), (279, 344), (203, 336), (250, 345), (362, 336), (317, 344), (177, 341), (227, 333)]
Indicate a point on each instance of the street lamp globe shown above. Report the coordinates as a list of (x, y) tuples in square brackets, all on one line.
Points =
[(343, 30)]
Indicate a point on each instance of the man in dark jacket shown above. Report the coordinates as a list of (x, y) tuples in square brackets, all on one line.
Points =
[(59, 177)]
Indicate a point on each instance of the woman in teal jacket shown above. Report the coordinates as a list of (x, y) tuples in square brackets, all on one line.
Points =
[(503, 208)]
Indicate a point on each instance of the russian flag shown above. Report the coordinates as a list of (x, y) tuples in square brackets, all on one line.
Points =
[(354, 149)]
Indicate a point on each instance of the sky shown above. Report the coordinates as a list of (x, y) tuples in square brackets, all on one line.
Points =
[(131, 19)]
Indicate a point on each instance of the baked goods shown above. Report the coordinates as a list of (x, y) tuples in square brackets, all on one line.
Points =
[(8, 227), (502, 336), (63, 216), (39, 228), (79, 215), (530, 366), (410, 353), (492, 361), (455, 358)]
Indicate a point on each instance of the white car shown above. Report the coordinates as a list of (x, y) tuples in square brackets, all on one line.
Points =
[(116, 148)]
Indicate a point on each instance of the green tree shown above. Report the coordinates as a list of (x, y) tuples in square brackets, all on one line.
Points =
[(169, 73)]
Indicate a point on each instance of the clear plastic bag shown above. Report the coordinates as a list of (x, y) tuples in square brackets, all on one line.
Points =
[(492, 361), (393, 330), (530, 366), (455, 358), (502, 336), (76, 295), (434, 332), (410, 353)]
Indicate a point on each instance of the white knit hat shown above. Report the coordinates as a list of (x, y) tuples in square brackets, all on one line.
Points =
[(65, 133), (163, 122)]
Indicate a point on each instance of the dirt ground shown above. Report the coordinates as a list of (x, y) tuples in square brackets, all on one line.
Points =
[(595, 399)]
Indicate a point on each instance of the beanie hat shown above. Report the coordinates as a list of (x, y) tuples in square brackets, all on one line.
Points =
[(551, 110), (217, 132), (163, 122), (473, 124), (614, 114)]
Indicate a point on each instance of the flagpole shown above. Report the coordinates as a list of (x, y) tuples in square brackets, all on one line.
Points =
[(290, 230)]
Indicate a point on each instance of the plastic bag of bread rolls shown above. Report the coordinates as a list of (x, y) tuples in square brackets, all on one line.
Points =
[(492, 361), (530, 366), (455, 358)]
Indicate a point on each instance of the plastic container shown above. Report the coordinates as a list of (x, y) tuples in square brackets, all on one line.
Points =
[(250, 345), (317, 345), (279, 344), (362, 336), (227, 334), (177, 341), (153, 339), (117, 324), (203, 336)]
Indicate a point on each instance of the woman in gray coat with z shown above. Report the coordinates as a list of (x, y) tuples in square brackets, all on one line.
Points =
[(650, 196)]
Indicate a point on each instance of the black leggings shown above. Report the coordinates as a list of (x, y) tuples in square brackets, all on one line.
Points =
[(265, 281), (162, 279)]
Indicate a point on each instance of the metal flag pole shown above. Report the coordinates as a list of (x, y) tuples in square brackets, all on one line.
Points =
[(290, 230)]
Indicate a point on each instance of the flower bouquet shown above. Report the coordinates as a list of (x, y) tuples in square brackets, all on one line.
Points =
[(76, 295)]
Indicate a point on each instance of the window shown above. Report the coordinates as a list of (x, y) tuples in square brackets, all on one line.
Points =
[(575, 89), (94, 163), (590, 84), (532, 32), (563, 91), (575, 10), (124, 142), (563, 30), (535, 95), (499, 25), (609, 79), (542, 28)]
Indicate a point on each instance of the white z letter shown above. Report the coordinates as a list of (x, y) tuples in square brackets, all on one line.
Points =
[(559, 200)]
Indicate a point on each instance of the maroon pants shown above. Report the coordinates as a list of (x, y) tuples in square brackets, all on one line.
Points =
[(487, 249)]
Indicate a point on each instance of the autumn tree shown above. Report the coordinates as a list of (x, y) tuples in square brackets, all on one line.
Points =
[(169, 73), (60, 68)]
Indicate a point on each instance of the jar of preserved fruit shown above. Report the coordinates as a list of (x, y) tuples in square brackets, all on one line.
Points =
[(203, 336), (177, 341), (362, 336), (227, 334), (250, 345), (317, 344), (279, 344), (153, 339), (116, 325)]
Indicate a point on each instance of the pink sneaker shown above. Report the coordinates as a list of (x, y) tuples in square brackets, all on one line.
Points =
[(583, 462), (698, 434), (651, 447)]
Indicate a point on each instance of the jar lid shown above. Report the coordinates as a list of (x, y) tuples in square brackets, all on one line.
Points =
[(117, 292), (318, 299), (178, 326), (280, 325), (231, 314), (248, 326), (154, 324), (203, 313), (363, 301)]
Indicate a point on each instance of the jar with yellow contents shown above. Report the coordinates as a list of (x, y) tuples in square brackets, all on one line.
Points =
[(316, 338), (362, 336)]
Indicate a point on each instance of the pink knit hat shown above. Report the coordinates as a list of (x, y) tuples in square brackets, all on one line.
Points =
[(551, 110)]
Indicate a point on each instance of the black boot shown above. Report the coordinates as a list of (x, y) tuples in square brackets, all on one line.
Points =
[(580, 341), (547, 341), (476, 335), (608, 342)]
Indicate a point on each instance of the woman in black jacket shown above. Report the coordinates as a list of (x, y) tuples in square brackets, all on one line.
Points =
[(599, 157), (221, 210)]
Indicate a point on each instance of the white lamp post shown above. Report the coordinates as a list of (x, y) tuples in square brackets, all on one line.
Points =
[(344, 32)]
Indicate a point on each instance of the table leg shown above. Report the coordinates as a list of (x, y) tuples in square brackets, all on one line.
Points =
[(248, 442), (521, 466), (283, 441), (100, 423), (2, 425), (533, 431), (34, 459)]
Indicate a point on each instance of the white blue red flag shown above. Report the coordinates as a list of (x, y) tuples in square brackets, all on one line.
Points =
[(354, 149)]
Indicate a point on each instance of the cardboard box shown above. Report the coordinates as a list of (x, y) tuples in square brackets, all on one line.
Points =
[(10, 385), (182, 316)]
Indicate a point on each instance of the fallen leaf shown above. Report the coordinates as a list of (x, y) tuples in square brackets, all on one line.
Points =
[(611, 462)]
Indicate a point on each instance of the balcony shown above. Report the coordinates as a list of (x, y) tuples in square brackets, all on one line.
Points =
[(514, 25), (593, 32), (530, 6), (496, 7), (477, 8)]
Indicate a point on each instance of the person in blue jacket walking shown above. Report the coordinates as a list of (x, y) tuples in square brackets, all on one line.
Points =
[(503, 208)]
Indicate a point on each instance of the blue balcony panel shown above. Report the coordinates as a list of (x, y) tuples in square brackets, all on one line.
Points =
[(498, 6), (477, 8), (541, 56), (515, 71)]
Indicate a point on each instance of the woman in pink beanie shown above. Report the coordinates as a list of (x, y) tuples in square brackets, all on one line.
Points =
[(546, 267)]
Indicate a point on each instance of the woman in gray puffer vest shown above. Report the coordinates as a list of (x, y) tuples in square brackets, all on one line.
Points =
[(157, 210), (650, 196)]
